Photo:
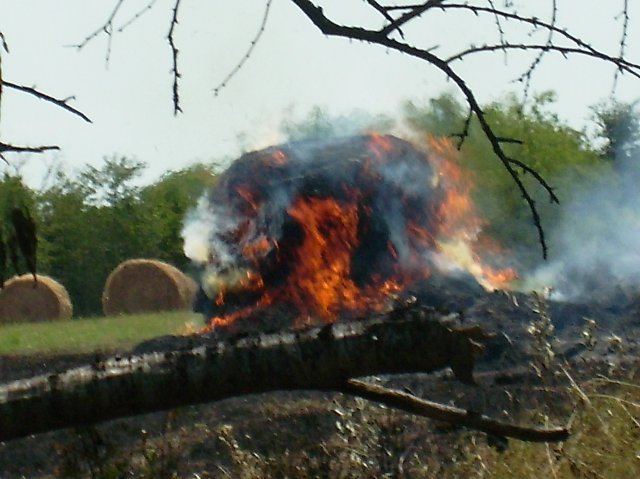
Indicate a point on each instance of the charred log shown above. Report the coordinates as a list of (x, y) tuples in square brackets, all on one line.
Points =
[(319, 358)]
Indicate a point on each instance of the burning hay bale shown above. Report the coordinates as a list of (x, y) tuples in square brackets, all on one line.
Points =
[(24, 299), (144, 285), (335, 229)]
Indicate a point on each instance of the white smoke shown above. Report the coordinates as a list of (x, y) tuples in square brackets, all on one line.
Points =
[(201, 228), (595, 247)]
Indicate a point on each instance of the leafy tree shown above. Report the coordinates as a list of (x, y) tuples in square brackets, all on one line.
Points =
[(18, 240), (619, 127), (165, 204), (95, 221), (560, 153)]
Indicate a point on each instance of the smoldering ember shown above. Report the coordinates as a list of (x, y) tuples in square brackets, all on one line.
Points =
[(369, 241)]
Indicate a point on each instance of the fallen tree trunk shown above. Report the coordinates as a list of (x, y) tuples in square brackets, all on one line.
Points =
[(321, 358)]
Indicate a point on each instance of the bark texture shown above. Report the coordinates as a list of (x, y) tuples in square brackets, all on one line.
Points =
[(319, 358)]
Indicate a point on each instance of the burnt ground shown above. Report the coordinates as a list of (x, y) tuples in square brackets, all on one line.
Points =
[(282, 434)]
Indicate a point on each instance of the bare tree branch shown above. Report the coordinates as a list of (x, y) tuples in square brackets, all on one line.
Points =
[(174, 53), (460, 417), (328, 27), (43, 96), (622, 64), (4, 43), (383, 11), (623, 41), (533, 21), (527, 76), (498, 21), (248, 53), (106, 28), (8, 148), (136, 16), (407, 17)]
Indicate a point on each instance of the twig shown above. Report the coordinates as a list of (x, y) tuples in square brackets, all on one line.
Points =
[(528, 74), (498, 25), (440, 412), (622, 64), (43, 96), (620, 400), (464, 134), (6, 147), (247, 55), (407, 17), (174, 54), (383, 11), (603, 378), (136, 16), (550, 460), (3, 42), (623, 42), (106, 27), (534, 21)]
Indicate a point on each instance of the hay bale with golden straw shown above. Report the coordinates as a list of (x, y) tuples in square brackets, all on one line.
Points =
[(146, 285), (24, 299)]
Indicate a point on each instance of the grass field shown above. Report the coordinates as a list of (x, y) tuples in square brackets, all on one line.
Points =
[(91, 334)]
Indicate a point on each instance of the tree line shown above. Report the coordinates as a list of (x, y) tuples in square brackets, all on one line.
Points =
[(91, 221)]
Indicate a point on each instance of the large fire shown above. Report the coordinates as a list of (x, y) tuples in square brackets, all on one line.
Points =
[(336, 229)]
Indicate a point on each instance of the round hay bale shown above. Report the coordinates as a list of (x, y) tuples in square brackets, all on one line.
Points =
[(24, 299), (145, 285)]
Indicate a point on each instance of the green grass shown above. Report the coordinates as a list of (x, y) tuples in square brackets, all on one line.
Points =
[(92, 334)]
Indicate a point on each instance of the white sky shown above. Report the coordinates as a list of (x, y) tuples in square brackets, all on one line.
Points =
[(293, 68)]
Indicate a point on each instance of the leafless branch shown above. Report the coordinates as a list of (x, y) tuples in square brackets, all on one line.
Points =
[(383, 11), (106, 28), (533, 21), (498, 24), (623, 42), (249, 52), (453, 415), (328, 27), (43, 96), (8, 148), (174, 53), (410, 15), (464, 134), (622, 64), (136, 16), (3, 42), (527, 76)]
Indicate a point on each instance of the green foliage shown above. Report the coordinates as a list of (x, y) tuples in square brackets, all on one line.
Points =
[(561, 154), (166, 202), (93, 222), (18, 239), (618, 125)]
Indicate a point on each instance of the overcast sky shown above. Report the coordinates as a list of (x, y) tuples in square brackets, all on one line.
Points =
[(293, 68)]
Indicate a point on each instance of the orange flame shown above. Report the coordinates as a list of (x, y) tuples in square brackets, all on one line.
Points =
[(319, 283), (458, 236)]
